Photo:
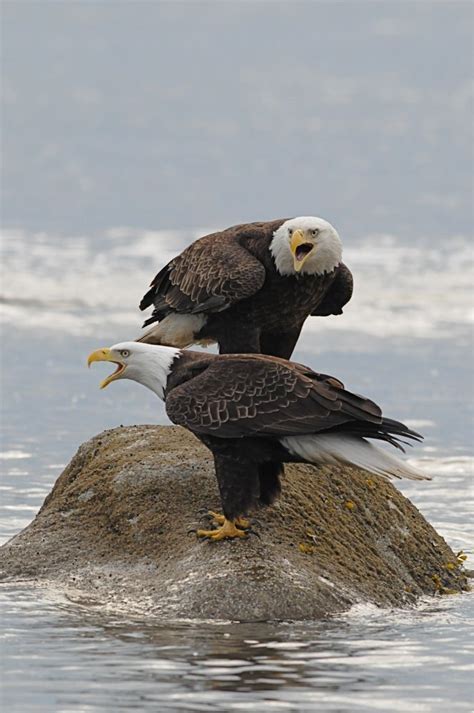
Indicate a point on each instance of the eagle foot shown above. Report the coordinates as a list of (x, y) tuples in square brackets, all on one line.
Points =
[(240, 522), (228, 530)]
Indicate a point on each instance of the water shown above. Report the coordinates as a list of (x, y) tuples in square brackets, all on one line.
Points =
[(168, 115), (78, 658), (367, 660)]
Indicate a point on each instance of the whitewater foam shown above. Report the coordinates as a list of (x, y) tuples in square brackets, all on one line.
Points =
[(78, 285)]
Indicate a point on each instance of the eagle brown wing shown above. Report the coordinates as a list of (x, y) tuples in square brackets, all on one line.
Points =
[(252, 395), (338, 294), (208, 276)]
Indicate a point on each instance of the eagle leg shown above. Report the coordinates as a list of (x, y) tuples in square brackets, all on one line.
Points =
[(240, 522), (227, 530)]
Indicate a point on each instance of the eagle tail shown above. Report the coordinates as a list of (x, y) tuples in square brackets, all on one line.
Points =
[(152, 336), (337, 448), (175, 330)]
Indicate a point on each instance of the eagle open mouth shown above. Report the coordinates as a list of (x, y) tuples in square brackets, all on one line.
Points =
[(120, 368), (114, 375), (303, 250), (106, 355)]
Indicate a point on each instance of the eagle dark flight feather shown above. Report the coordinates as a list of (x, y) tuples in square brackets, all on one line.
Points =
[(241, 396), (209, 275), (339, 294)]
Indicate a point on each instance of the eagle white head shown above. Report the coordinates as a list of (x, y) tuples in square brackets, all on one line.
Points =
[(306, 245), (149, 364)]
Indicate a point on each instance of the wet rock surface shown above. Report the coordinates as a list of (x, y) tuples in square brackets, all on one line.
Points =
[(118, 529)]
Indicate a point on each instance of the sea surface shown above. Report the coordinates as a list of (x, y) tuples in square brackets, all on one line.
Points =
[(405, 340)]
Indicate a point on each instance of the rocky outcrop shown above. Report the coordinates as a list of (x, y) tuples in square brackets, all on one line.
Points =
[(118, 529)]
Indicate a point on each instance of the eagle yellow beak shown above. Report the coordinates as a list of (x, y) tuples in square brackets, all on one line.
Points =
[(301, 249), (106, 355)]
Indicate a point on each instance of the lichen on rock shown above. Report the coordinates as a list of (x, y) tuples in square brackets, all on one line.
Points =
[(118, 529)]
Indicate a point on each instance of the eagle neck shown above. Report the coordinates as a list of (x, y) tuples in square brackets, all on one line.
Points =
[(190, 364), (157, 369)]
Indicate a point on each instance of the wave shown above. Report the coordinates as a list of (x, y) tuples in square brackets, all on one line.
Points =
[(79, 284)]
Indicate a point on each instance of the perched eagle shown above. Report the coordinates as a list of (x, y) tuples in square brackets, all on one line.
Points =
[(257, 412), (249, 288)]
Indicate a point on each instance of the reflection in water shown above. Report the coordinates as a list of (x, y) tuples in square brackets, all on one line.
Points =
[(375, 659)]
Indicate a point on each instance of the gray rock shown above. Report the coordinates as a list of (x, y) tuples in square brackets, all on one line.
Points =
[(117, 529)]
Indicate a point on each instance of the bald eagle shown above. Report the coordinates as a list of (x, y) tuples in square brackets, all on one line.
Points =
[(249, 288), (257, 412)]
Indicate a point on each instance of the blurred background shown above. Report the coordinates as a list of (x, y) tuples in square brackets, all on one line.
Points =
[(130, 129), (190, 114)]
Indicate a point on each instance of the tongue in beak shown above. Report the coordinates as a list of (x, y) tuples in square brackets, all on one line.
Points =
[(301, 248), (302, 251)]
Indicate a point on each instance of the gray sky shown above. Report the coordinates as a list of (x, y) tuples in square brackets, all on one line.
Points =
[(165, 115)]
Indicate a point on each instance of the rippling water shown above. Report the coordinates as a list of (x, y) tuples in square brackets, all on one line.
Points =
[(409, 351), (366, 660)]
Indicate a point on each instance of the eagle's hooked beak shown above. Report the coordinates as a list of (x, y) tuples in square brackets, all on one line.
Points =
[(107, 355), (301, 249)]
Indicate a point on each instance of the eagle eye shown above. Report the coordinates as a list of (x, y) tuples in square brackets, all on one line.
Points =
[(290, 232), (315, 232), (124, 353)]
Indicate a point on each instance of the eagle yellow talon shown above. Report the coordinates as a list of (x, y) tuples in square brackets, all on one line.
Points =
[(227, 530), (240, 522)]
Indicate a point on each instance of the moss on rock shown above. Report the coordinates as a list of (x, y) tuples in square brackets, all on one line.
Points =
[(118, 526)]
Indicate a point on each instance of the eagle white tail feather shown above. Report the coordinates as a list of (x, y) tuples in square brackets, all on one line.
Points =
[(334, 449), (175, 330)]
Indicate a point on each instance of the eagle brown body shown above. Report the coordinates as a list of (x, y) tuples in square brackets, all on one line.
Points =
[(229, 284), (240, 407), (257, 412)]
